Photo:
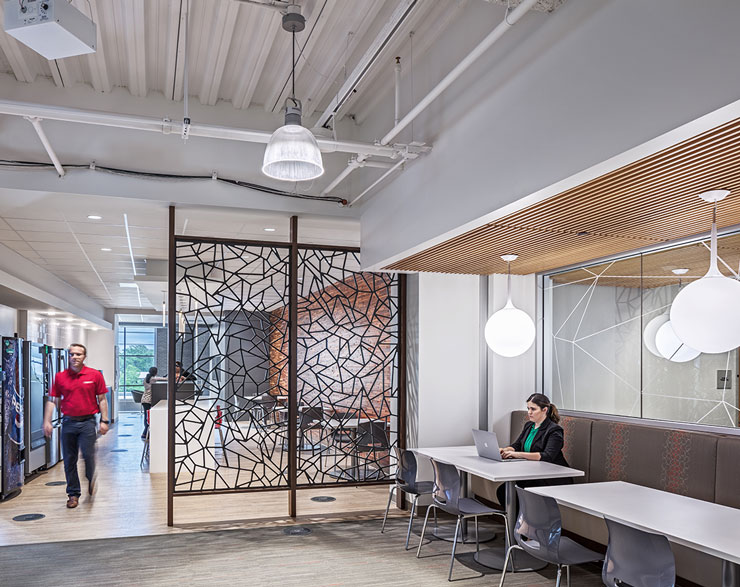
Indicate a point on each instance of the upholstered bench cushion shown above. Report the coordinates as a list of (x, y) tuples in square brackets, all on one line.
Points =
[(671, 460), (727, 490)]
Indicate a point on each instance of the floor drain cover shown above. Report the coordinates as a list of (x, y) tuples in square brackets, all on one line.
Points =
[(296, 531), (323, 498), (55, 483), (28, 517), (120, 450), (122, 435)]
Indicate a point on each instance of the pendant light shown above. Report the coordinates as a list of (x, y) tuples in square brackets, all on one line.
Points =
[(510, 331), (292, 154), (669, 346), (706, 313)]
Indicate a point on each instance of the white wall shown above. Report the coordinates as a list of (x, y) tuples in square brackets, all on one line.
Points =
[(447, 359), (101, 353), (559, 94), (8, 324), (511, 380)]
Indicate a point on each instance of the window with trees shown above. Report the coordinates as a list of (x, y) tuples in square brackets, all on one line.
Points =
[(136, 354)]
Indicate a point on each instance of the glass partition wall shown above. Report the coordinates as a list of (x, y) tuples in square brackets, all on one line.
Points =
[(607, 348)]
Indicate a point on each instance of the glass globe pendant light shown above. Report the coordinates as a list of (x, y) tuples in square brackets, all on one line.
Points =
[(510, 331), (705, 315), (292, 154)]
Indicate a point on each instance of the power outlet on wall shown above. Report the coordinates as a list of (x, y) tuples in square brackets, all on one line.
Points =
[(724, 379)]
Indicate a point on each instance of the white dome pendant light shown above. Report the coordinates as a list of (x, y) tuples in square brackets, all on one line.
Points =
[(706, 314), (510, 331), (648, 335), (667, 343), (293, 153)]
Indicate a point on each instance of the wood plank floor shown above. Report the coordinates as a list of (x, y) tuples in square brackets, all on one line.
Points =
[(131, 502)]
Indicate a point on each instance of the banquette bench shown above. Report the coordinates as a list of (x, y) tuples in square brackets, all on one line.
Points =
[(696, 464)]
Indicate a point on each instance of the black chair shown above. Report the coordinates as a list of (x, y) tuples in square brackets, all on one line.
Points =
[(446, 497), (310, 418), (407, 483), (372, 440), (636, 558), (538, 532)]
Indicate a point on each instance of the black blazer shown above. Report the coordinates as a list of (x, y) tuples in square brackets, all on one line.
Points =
[(548, 441)]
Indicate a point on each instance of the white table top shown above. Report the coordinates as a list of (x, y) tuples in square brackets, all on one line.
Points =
[(350, 422), (466, 459), (701, 525)]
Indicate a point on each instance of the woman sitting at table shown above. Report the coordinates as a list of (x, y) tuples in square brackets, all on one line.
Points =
[(541, 439)]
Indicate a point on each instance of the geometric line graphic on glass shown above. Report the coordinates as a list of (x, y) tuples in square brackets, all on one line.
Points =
[(230, 428), (570, 342), (347, 346)]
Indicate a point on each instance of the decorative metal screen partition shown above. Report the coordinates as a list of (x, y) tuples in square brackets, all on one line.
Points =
[(234, 401), (229, 432)]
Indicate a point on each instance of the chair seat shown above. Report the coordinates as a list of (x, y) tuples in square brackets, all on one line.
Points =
[(572, 553), (470, 506), (420, 488)]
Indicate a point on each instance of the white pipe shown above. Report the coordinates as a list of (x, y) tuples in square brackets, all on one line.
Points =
[(377, 181), (144, 123), (401, 13), (460, 68), (36, 122), (345, 172), (398, 91)]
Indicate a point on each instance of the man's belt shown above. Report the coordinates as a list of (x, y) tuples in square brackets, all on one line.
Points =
[(80, 418)]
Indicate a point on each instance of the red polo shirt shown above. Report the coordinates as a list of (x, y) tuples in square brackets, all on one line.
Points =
[(79, 391)]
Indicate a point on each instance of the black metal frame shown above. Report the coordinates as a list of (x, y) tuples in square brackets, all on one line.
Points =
[(293, 485)]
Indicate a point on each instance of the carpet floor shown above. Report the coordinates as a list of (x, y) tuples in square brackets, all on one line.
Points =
[(355, 554)]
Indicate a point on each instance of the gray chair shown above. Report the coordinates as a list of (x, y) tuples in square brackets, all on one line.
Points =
[(538, 532), (446, 497), (636, 558), (407, 483)]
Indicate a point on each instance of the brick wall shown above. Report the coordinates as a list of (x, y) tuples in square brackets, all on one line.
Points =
[(346, 347)]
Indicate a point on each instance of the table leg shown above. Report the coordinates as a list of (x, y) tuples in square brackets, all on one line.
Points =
[(495, 557), (730, 574)]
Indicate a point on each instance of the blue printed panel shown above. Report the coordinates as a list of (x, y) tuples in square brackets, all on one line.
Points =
[(12, 421)]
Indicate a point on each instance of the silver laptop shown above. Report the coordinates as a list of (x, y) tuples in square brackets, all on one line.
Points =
[(486, 444)]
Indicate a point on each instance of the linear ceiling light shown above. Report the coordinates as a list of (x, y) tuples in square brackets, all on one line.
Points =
[(293, 153)]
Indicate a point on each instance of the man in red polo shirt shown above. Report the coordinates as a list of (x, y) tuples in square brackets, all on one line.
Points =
[(82, 394)]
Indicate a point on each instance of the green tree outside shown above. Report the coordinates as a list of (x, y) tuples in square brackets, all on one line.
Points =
[(136, 360)]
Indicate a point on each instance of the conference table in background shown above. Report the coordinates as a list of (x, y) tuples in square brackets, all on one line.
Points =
[(467, 461), (701, 525)]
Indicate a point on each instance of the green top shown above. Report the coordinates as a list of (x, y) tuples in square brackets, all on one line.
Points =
[(530, 439)]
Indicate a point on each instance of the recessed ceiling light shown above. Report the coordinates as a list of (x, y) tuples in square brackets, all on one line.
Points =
[(269, 230), (69, 319), (680, 271), (128, 284), (51, 313), (94, 217), (106, 249)]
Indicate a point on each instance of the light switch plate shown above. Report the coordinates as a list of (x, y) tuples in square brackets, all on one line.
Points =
[(724, 379)]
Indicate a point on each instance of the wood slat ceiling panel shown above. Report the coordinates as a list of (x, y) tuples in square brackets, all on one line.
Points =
[(657, 268), (650, 201)]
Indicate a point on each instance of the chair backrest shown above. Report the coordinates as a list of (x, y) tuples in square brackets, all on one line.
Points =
[(309, 416), (637, 558), (136, 395), (372, 436), (539, 526), (407, 468), (446, 486)]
